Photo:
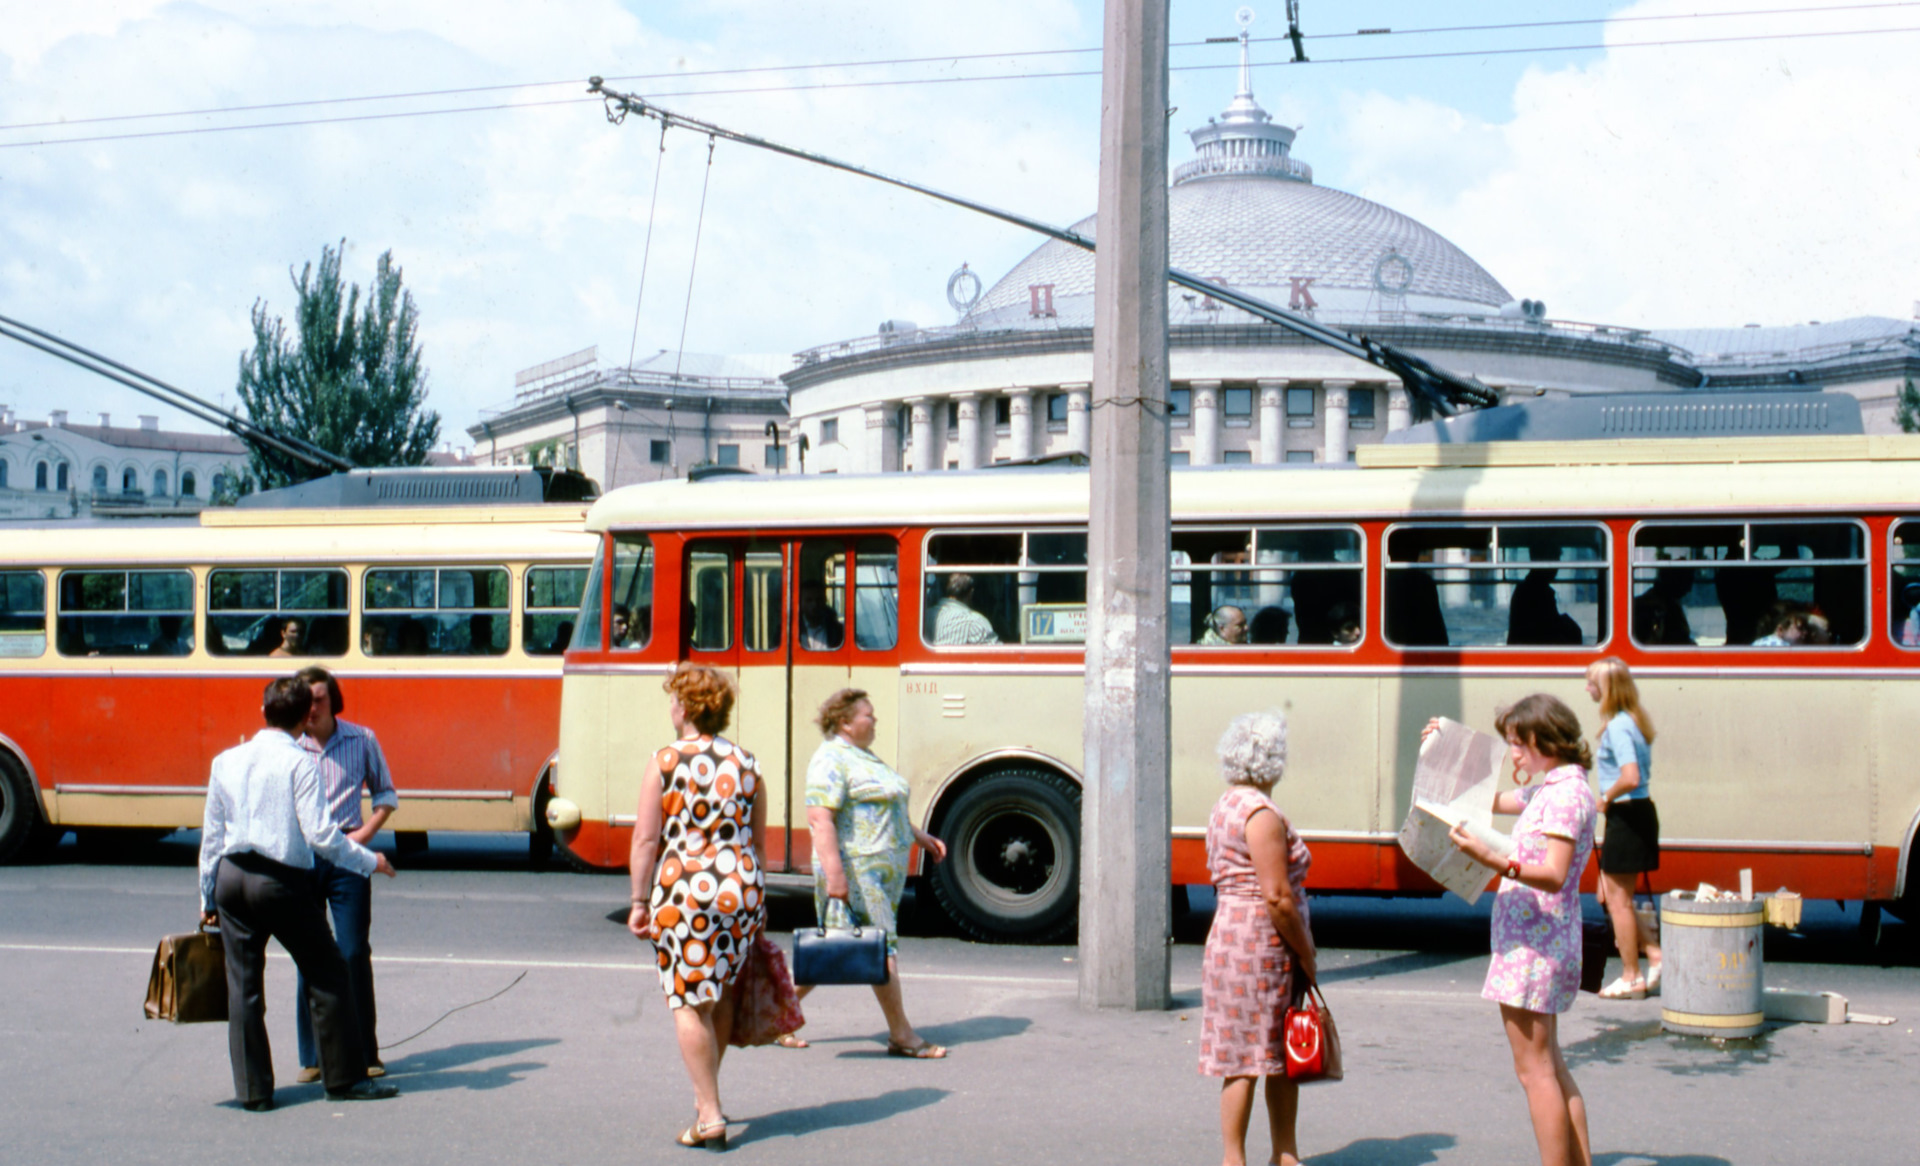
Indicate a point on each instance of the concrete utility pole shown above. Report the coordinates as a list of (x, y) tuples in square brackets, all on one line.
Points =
[(1126, 816)]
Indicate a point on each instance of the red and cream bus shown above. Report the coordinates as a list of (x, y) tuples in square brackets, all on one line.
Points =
[(1423, 581), (133, 651)]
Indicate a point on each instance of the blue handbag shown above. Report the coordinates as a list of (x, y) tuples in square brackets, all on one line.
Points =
[(848, 954)]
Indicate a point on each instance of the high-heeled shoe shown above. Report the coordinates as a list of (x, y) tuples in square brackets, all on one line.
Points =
[(700, 1136)]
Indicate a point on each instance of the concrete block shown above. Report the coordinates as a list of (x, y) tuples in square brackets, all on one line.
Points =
[(1805, 1007)]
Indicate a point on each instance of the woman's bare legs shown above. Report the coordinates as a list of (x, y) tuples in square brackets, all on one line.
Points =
[(892, 1006), (1236, 1109), (1616, 894), (701, 1047), (1283, 1112), (1554, 1102)]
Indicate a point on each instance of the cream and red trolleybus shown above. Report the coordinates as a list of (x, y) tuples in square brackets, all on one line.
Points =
[(132, 651), (1422, 581)]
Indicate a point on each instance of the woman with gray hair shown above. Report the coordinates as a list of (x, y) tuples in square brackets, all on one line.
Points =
[(1259, 936)]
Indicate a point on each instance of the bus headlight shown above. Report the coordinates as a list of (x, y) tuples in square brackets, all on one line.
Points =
[(563, 817)]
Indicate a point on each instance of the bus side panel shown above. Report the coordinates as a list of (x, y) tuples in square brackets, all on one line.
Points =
[(126, 730), (950, 720), (1895, 790), (26, 719)]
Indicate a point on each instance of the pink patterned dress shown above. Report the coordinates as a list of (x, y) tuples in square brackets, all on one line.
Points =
[(1247, 972), (1536, 934)]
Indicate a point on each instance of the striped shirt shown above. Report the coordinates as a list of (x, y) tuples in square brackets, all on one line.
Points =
[(349, 761), (264, 797)]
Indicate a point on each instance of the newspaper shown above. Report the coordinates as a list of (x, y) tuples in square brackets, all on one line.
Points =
[(1454, 781)]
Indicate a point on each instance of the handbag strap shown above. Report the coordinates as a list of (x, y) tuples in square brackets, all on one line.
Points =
[(846, 911)]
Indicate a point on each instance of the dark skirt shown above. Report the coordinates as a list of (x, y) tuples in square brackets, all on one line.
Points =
[(1632, 845)]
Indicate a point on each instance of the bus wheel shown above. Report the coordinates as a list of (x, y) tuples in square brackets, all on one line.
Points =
[(23, 832), (1012, 873)]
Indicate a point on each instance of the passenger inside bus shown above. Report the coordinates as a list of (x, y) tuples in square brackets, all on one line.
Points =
[(1534, 616), (954, 619), (1906, 616), (1413, 610), (1269, 626), (373, 639), (1226, 625), (820, 628), (1660, 610), (292, 639), (1345, 618)]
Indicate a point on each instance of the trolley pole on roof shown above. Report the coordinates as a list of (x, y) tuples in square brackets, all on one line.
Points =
[(1126, 816)]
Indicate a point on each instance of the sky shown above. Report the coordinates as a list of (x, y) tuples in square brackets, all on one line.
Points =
[(1768, 177)]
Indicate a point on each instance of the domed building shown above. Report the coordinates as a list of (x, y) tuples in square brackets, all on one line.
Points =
[(1012, 378)]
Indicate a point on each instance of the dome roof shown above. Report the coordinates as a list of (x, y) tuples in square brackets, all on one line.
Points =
[(1246, 212)]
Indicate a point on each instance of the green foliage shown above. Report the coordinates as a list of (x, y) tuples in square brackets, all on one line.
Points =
[(1907, 411), (348, 378)]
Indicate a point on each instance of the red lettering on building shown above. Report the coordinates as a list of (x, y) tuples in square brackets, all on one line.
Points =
[(1040, 299), (1300, 299)]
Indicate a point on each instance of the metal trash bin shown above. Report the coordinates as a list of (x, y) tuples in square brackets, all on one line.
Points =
[(1712, 973)]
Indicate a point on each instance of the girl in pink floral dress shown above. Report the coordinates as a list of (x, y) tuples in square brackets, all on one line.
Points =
[(1535, 973), (1259, 941)]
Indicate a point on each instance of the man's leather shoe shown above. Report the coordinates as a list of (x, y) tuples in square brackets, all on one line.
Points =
[(262, 1105), (308, 1074), (365, 1091)]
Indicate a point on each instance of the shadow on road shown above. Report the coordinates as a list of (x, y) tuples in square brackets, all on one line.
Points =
[(437, 1070), (1412, 1150), (1630, 1158), (803, 1120)]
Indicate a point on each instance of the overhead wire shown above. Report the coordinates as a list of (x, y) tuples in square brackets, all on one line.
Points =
[(683, 75), (1800, 35), (646, 252)]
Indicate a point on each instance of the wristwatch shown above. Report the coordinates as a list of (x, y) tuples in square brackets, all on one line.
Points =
[(1513, 870)]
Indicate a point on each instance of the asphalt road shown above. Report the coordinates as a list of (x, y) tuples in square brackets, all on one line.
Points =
[(576, 1062)]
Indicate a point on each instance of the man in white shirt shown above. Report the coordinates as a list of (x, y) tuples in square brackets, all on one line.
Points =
[(264, 824), (954, 619)]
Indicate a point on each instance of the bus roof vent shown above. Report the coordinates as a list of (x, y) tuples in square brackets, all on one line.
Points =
[(1619, 416), (428, 486), (703, 473)]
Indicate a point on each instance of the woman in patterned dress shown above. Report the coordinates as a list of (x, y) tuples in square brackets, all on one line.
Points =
[(857, 814), (696, 878), (1260, 934), (1535, 974)]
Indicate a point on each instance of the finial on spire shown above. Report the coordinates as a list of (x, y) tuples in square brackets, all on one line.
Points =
[(1245, 17)]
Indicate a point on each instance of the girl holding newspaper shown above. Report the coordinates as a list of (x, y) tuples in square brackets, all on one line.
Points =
[(1535, 973)]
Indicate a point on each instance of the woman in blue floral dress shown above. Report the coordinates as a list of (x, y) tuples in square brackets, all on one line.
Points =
[(862, 837), (1535, 973)]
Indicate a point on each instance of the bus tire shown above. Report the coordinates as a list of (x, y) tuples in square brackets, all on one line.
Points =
[(24, 832), (1012, 872)]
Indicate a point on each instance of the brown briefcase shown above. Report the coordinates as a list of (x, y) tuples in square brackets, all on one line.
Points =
[(189, 979)]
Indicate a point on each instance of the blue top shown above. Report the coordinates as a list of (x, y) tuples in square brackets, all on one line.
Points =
[(1621, 743)]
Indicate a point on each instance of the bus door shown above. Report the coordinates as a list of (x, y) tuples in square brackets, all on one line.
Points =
[(733, 618), (844, 630)]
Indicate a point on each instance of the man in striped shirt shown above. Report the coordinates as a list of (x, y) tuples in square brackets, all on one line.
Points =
[(349, 760)]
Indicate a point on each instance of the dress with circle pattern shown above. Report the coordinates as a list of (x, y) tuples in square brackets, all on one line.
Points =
[(708, 897)]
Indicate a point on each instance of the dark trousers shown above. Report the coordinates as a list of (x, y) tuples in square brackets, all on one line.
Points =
[(350, 896), (260, 899)]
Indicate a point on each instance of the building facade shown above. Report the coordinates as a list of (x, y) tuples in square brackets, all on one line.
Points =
[(56, 469)]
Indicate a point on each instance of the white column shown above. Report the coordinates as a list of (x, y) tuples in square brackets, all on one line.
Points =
[(922, 434), (882, 448), (1206, 422), (1020, 423), (1273, 421), (969, 441), (1336, 415), (1078, 399), (1399, 409)]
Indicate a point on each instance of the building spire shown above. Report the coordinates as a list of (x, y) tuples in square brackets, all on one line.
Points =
[(1245, 17), (1242, 141)]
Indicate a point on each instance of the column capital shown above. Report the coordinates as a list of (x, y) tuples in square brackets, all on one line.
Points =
[(965, 395), (1203, 384), (1027, 391)]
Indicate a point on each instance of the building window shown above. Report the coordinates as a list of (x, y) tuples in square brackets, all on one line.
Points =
[(99, 479), (776, 457), (659, 452), (1003, 412), (159, 483), (40, 476), (1299, 455), (1179, 457), (129, 482), (188, 486), (728, 455), (953, 416), (1237, 402), (1360, 405), (830, 431), (1237, 457), (219, 484), (1300, 408), (3, 473), (1179, 401), (1057, 409), (61, 480)]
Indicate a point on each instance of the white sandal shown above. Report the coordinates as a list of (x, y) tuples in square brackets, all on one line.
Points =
[(1653, 978), (1625, 989)]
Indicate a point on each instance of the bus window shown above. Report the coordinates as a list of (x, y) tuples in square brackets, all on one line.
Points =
[(1758, 584), (266, 612), (425, 611), (1513, 586), (1021, 587), (632, 594), (126, 613), (765, 578), (709, 597), (823, 595), (1266, 587), (876, 594), (552, 600), (23, 614), (1904, 621)]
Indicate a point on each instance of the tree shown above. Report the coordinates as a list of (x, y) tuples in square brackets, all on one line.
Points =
[(348, 379), (1907, 411)]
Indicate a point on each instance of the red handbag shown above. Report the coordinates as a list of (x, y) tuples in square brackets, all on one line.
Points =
[(1312, 1042)]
